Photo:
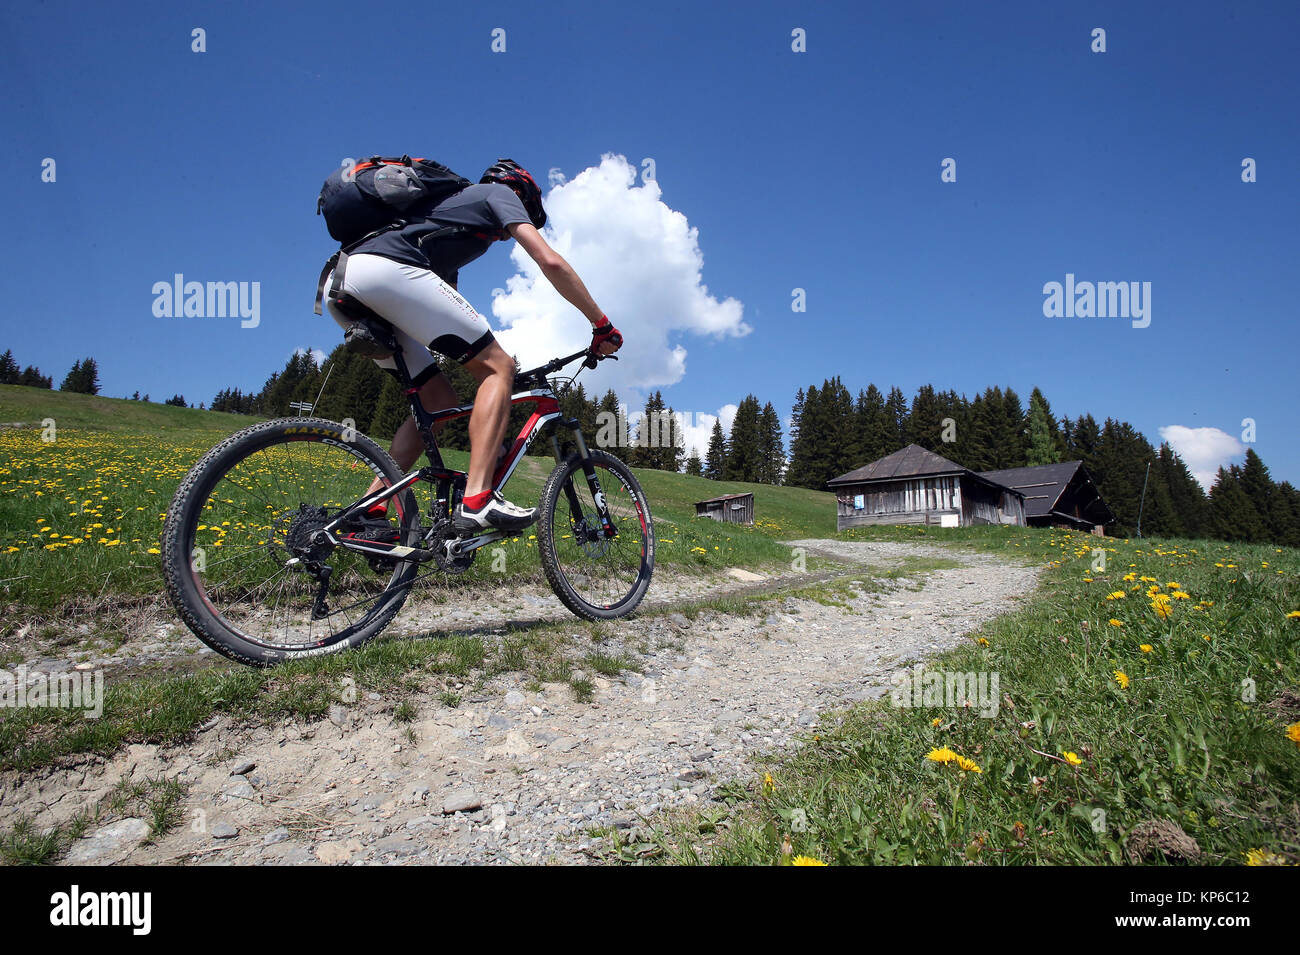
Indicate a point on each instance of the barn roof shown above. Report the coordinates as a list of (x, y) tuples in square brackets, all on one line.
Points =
[(911, 461), (1043, 485), (725, 497)]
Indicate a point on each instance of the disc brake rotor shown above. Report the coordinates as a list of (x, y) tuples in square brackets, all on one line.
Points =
[(587, 539)]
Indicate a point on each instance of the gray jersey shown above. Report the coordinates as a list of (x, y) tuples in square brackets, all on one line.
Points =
[(485, 210)]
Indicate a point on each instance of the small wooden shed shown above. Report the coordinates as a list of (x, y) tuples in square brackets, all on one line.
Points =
[(729, 508), (1058, 495), (916, 486)]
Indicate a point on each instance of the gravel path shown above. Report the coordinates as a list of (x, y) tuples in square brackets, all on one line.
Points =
[(515, 776)]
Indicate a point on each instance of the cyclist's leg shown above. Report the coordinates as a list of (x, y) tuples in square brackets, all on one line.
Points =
[(495, 371), (421, 305), (435, 394), (482, 509)]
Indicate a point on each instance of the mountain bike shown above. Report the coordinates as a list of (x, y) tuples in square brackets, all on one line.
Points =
[(268, 554)]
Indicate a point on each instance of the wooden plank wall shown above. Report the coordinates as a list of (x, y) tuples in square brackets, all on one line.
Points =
[(924, 500)]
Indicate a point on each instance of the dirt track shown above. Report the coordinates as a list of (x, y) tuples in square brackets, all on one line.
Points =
[(517, 776)]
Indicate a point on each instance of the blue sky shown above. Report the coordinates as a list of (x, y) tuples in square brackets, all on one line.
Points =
[(816, 170)]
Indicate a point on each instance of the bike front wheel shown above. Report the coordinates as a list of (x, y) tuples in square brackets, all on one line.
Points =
[(242, 550), (597, 575)]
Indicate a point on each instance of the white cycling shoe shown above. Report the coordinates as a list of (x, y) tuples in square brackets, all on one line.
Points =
[(497, 514)]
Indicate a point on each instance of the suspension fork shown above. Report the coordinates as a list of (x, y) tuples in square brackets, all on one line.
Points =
[(607, 529)]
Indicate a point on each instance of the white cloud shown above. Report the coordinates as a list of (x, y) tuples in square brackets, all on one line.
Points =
[(697, 428), (317, 354), (1204, 450), (641, 261)]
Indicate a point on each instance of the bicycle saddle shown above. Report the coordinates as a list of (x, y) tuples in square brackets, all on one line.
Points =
[(367, 333)]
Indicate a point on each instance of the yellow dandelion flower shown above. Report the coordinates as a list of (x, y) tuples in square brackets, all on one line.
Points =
[(968, 765), (1181, 595), (944, 755), (935, 722), (1293, 733), (806, 860), (1072, 759), (1162, 609), (1116, 595), (1293, 615), (1263, 857), (1115, 623), (1122, 679), (982, 642), (1145, 648)]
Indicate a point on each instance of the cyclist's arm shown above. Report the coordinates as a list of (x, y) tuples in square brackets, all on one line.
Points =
[(557, 271)]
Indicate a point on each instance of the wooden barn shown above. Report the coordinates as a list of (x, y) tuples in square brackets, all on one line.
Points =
[(1058, 495), (916, 486), (729, 508)]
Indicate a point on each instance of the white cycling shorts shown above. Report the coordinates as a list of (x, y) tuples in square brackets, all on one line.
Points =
[(427, 313)]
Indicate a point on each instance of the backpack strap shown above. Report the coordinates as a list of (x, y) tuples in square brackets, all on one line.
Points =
[(332, 264), (339, 263)]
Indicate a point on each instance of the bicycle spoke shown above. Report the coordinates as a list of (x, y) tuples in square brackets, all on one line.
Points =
[(260, 572)]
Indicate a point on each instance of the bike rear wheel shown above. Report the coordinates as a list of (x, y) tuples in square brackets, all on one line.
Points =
[(597, 577), (241, 554)]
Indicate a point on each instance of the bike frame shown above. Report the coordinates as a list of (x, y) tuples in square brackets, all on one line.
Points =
[(450, 484)]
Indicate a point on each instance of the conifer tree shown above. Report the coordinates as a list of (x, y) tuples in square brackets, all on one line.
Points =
[(391, 409), (745, 447), (773, 460), (1044, 444), (896, 407), (873, 426), (715, 462), (923, 422), (9, 370), (1232, 515)]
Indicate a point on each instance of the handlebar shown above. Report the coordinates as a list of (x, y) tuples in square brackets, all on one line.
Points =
[(555, 364)]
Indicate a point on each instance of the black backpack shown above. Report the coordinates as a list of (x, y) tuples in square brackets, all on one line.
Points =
[(371, 195)]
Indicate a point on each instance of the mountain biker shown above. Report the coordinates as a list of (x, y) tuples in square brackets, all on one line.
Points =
[(408, 275)]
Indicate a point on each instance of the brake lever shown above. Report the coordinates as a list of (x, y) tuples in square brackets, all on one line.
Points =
[(591, 360)]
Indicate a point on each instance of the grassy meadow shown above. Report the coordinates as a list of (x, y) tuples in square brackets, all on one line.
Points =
[(1164, 688), (1148, 684), (81, 514)]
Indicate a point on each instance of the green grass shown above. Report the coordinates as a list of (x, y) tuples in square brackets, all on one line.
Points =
[(31, 406), (157, 800), (81, 515), (26, 844), (1198, 738)]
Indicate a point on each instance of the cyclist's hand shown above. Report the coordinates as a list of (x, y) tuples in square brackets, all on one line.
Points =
[(605, 338)]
